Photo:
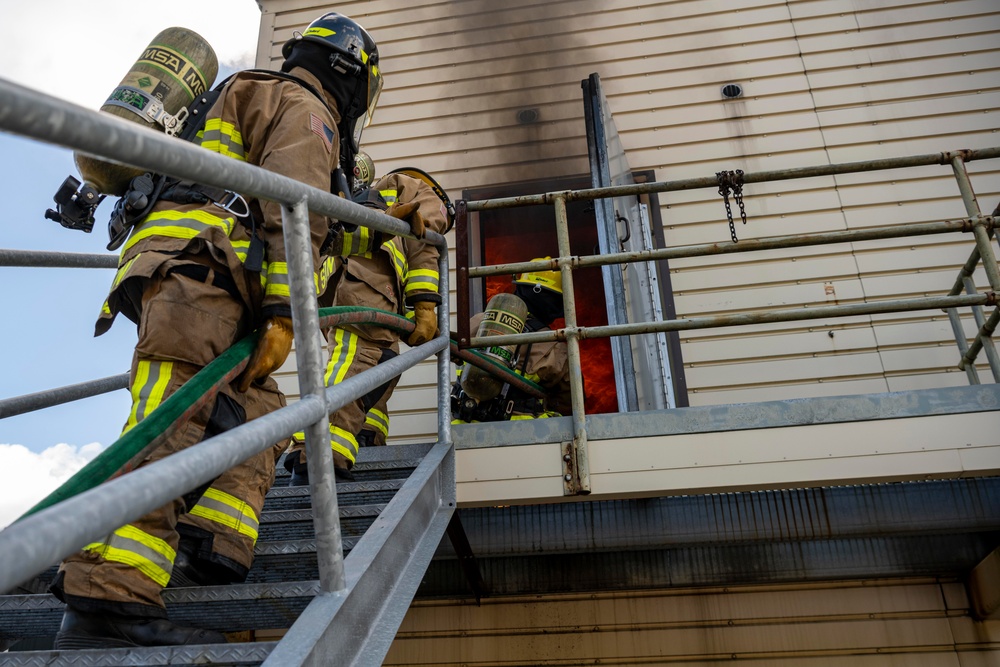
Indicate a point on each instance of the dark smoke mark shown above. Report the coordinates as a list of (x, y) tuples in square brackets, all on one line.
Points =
[(515, 48)]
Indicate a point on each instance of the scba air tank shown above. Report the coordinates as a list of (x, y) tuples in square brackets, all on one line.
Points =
[(505, 315), (177, 66)]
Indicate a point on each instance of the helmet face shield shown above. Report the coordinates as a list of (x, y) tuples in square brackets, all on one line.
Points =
[(374, 90)]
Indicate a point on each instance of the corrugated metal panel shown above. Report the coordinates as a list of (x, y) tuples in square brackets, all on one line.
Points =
[(918, 623), (824, 81)]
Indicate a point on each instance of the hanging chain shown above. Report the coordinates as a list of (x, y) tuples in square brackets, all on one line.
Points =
[(732, 181)]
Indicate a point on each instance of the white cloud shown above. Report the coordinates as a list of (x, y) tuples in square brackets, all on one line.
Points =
[(27, 477), (81, 51)]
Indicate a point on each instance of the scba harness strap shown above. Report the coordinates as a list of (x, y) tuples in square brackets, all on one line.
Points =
[(147, 189)]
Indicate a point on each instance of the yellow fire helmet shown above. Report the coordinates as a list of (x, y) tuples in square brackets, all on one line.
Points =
[(550, 280), (422, 175)]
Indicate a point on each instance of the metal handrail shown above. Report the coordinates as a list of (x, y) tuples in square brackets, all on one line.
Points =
[(31, 545), (577, 474)]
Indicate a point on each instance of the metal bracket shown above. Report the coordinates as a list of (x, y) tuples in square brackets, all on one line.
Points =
[(171, 124), (571, 478)]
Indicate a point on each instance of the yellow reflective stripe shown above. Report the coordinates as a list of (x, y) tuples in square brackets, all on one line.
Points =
[(136, 548), (222, 137), (544, 415), (277, 280), (389, 196), (529, 376), (229, 511), (241, 248), (178, 225), (378, 420), (319, 32), (343, 442), (148, 389), (120, 274), (398, 258), (358, 242), (430, 282), (106, 308), (344, 350)]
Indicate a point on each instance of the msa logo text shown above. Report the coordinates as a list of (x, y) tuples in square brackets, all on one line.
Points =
[(165, 58), (185, 71), (504, 319)]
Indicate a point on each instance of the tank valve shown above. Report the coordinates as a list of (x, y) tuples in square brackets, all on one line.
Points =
[(75, 205)]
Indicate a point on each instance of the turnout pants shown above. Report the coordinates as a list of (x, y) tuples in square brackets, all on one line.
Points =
[(352, 352), (184, 324)]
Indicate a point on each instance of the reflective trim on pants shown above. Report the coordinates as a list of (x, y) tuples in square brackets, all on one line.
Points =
[(131, 546), (229, 511)]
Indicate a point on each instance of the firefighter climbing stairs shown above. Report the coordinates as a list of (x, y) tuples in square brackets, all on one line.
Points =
[(390, 489)]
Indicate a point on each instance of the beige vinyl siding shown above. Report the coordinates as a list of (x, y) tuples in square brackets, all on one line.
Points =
[(825, 81), (916, 623)]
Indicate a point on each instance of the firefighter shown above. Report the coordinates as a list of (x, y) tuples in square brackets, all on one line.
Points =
[(401, 276), (544, 363), (201, 270)]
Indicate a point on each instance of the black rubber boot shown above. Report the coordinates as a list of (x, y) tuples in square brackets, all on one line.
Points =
[(190, 570), (85, 630), (300, 475)]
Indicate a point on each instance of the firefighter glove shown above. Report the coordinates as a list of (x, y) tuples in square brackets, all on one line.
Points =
[(410, 214), (425, 316), (274, 342)]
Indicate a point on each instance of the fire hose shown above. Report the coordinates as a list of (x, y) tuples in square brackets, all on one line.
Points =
[(134, 446)]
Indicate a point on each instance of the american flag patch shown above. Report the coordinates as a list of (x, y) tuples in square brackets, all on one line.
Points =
[(319, 127)]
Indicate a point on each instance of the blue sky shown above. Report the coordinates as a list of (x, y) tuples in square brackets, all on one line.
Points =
[(48, 323)]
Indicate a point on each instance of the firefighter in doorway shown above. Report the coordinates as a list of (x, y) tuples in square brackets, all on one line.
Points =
[(544, 363), (400, 276), (201, 270)]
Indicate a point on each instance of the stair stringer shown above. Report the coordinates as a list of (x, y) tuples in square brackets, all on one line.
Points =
[(382, 572)]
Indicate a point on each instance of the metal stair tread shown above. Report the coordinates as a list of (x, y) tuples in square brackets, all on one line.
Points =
[(242, 653), (226, 608)]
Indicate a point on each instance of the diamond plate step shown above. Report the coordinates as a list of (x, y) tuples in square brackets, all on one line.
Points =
[(225, 608), (372, 492), (219, 655), (281, 583)]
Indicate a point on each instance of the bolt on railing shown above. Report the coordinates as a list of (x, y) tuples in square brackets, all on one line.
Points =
[(577, 475), (29, 546)]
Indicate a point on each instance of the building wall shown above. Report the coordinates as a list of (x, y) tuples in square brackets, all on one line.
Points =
[(825, 81), (916, 623)]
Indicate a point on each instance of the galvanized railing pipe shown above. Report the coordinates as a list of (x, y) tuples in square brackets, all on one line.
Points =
[(58, 260), (34, 114), (981, 230), (752, 177), (578, 479), (309, 361), (742, 319), (983, 336), (33, 544), (985, 340), (963, 346), (444, 356), (74, 392), (745, 245), (984, 248)]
